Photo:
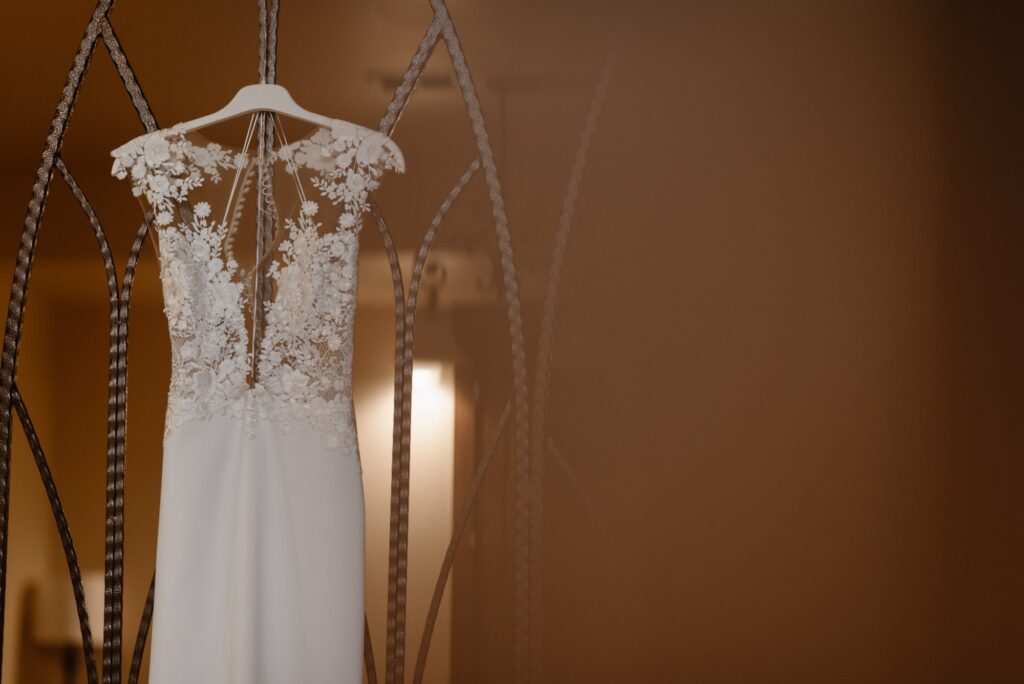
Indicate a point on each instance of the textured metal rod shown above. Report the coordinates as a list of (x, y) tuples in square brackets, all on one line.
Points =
[(113, 531), (268, 40), (408, 348), (442, 26), (395, 627), (397, 562), (114, 555), (542, 377), (143, 633), (516, 339), (399, 509), (63, 529), (394, 663), (127, 75), (114, 537), (424, 252), (119, 468), (144, 111), (268, 15), (453, 544), (411, 77), (22, 271)]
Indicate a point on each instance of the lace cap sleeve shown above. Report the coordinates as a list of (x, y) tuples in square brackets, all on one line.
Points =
[(164, 167), (346, 164), (130, 164), (129, 160)]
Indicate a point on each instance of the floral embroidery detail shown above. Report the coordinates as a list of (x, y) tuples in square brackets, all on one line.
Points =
[(165, 167), (205, 320), (307, 346), (349, 166), (304, 364)]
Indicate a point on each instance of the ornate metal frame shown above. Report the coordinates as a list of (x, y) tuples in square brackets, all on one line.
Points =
[(525, 411)]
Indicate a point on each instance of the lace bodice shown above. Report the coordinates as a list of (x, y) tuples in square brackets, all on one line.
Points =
[(259, 330)]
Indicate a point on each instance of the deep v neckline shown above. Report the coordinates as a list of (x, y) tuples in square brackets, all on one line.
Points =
[(271, 228)]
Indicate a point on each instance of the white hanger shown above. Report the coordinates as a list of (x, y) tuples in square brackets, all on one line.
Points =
[(263, 97)]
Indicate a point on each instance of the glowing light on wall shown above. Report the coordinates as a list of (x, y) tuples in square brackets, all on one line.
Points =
[(431, 498)]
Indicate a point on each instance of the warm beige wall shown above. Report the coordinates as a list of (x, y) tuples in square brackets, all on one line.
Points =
[(63, 373), (33, 543)]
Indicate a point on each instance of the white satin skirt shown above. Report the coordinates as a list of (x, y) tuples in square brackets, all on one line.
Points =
[(260, 550)]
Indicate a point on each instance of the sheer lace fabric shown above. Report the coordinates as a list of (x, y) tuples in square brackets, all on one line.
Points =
[(260, 326)]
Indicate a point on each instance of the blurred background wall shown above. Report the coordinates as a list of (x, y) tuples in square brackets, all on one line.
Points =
[(786, 392)]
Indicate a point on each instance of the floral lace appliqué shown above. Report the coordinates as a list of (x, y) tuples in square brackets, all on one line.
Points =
[(304, 364)]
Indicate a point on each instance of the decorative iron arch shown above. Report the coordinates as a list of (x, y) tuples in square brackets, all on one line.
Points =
[(522, 409)]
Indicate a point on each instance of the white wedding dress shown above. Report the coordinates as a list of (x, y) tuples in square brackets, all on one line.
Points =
[(259, 575)]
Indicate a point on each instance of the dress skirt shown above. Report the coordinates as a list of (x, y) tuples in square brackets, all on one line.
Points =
[(260, 551)]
